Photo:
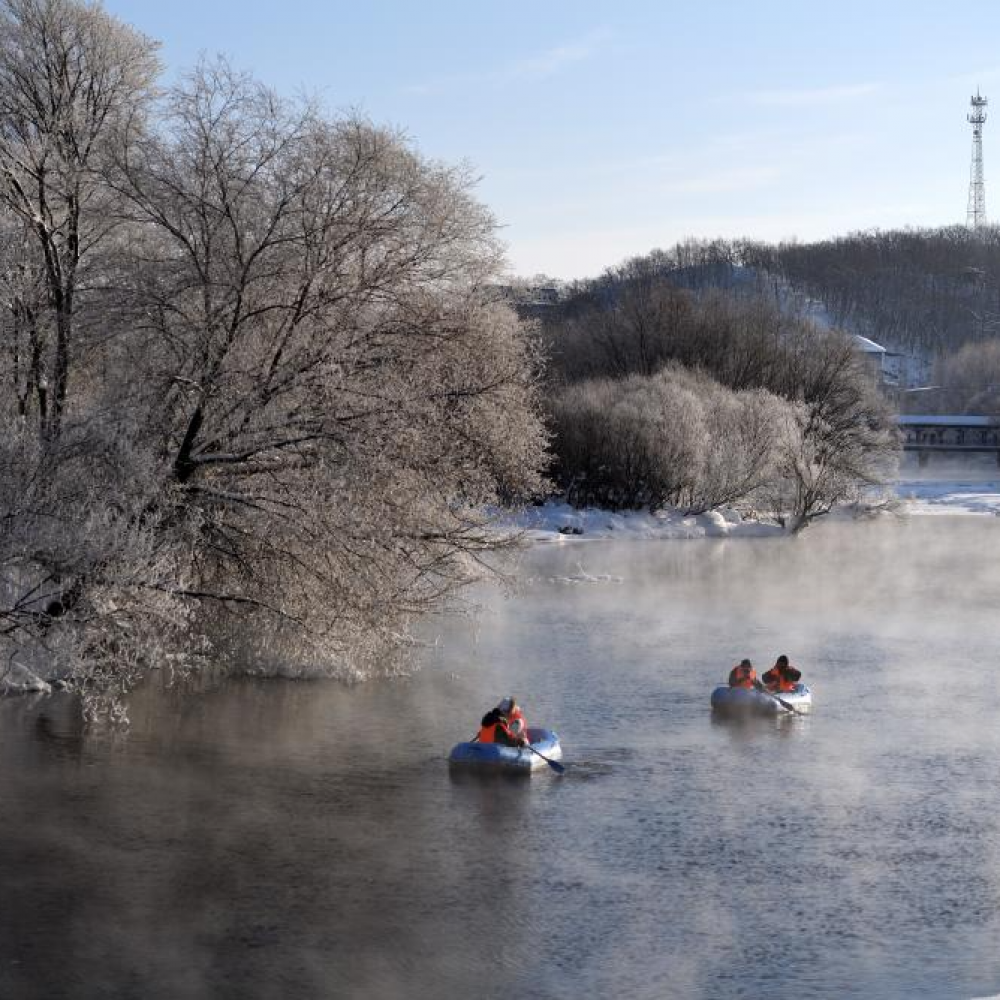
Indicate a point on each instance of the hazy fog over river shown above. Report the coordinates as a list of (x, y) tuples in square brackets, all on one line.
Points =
[(277, 839)]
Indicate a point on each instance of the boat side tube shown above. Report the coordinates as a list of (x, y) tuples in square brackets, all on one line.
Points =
[(498, 756)]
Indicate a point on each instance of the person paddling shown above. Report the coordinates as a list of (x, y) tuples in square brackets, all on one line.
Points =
[(511, 710), (495, 728), (743, 675), (782, 677)]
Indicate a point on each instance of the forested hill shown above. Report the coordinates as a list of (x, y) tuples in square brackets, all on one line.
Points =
[(924, 292)]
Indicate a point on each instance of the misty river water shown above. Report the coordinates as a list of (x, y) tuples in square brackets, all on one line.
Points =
[(274, 839)]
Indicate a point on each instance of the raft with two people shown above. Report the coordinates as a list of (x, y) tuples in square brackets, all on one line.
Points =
[(779, 692), (505, 743)]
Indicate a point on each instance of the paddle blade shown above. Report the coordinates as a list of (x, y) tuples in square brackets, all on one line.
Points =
[(554, 764), (784, 704)]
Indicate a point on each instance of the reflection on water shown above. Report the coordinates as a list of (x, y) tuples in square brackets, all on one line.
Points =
[(274, 839)]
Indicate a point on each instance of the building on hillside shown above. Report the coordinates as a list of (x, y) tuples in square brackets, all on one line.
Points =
[(529, 301), (528, 295), (887, 367), (877, 360)]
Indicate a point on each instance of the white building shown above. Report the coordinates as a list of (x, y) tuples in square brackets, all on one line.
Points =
[(878, 360)]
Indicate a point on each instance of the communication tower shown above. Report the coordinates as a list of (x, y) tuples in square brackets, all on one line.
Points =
[(976, 215)]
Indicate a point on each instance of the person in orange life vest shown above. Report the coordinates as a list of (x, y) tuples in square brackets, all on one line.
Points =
[(782, 676), (515, 717), (743, 675), (496, 729)]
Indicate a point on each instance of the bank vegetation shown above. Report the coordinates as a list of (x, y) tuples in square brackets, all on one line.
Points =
[(256, 390), (663, 395)]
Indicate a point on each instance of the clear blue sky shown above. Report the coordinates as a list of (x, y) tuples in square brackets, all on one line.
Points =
[(603, 130)]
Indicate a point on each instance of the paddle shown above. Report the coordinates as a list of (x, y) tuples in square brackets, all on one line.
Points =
[(554, 764), (781, 701)]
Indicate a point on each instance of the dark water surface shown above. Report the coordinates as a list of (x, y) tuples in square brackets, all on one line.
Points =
[(277, 839)]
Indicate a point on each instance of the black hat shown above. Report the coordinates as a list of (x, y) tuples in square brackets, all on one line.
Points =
[(782, 660), (745, 663)]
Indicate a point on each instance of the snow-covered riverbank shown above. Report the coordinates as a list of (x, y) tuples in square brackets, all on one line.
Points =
[(560, 522), (18, 679), (950, 496), (967, 488)]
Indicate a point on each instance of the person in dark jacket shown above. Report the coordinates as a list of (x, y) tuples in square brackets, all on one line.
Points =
[(782, 676), (495, 728)]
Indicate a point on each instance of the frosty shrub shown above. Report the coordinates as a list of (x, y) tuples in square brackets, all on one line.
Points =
[(744, 438), (970, 379), (261, 404), (624, 444), (836, 444), (678, 437)]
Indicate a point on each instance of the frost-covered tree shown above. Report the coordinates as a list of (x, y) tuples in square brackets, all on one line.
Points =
[(841, 440), (74, 83), (743, 439), (305, 397)]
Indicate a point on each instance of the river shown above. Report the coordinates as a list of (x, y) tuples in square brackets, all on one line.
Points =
[(274, 839)]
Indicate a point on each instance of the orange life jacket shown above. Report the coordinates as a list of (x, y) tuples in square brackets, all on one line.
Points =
[(742, 677), (488, 734), (777, 680)]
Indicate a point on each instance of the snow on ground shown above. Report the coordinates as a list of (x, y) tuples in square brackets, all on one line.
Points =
[(18, 679), (559, 522), (950, 498), (967, 486)]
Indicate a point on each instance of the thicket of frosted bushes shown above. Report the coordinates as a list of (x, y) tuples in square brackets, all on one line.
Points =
[(664, 397)]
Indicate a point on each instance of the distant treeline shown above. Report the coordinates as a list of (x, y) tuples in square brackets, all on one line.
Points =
[(929, 291), (930, 294)]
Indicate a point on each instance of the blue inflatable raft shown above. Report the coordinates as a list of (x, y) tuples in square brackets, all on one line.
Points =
[(496, 756), (742, 702)]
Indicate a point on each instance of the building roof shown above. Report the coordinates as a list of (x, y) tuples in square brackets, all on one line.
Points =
[(947, 420), (866, 345)]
